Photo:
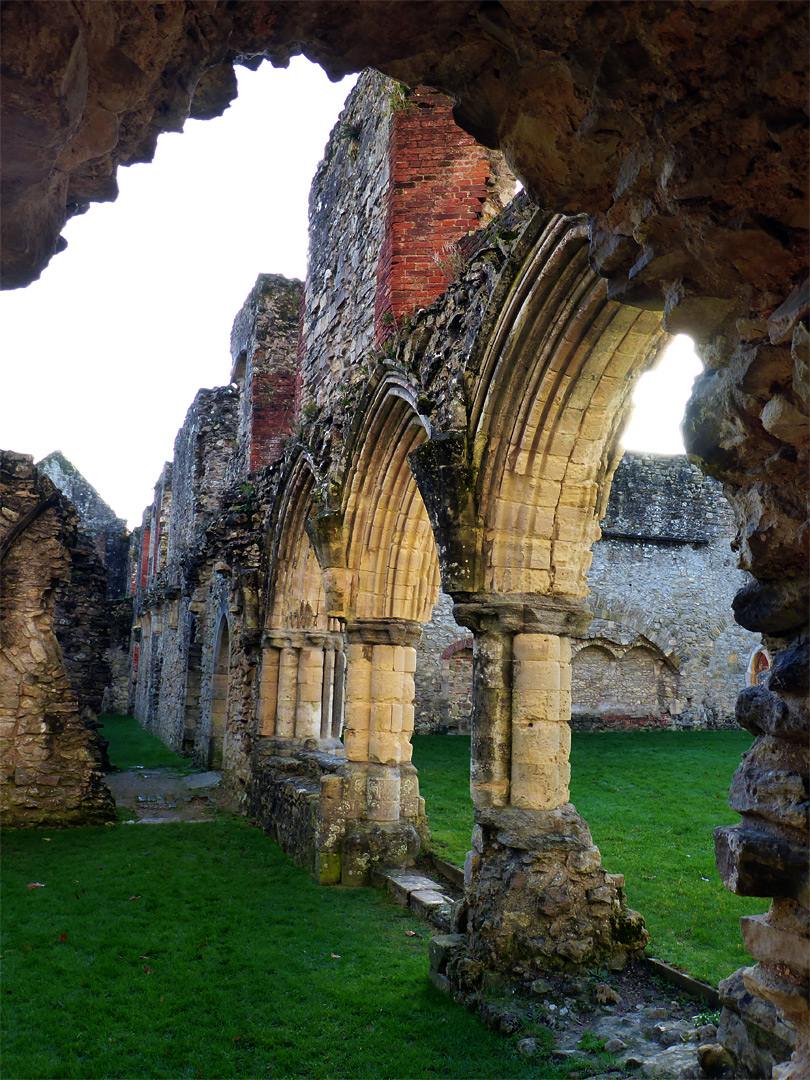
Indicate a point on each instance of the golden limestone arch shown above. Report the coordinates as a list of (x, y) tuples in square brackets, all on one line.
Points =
[(392, 575), (301, 697), (515, 500)]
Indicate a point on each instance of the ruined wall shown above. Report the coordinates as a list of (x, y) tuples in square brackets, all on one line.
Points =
[(347, 219), (200, 554), (110, 541), (166, 594), (399, 185), (53, 637), (664, 569), (264, 344), (109, 533)]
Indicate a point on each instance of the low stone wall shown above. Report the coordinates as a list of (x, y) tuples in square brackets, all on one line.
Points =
[(283, 797)]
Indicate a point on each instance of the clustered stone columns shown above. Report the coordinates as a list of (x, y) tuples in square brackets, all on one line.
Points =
[(377, 793), (536, 894), (302, 689)]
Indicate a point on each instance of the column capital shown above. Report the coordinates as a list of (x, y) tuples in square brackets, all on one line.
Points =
[(523, 613), (295, 639), (383, 632)]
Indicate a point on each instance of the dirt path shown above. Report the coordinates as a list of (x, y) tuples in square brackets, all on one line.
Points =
[(159, 795)]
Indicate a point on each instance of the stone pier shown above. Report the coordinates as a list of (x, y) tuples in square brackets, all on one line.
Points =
[(535, 889), (380, 804)]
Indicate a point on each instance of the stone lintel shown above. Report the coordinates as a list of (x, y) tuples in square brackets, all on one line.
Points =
[(383, 632), (522, 613), (753, 862), (536, 830)]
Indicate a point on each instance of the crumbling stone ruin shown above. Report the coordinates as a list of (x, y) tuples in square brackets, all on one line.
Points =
[(54, 655), (473, 438)]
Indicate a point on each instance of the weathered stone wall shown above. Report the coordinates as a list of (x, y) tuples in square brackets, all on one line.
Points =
[(110, 540), (54, 633), (347, 219), (399, 186), (109, 533), (664, 568), (202, 453), (200, 556), (264, 345)]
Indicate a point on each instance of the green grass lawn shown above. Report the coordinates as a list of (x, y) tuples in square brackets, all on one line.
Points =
[(651, 800), (131, 746), (199, 950)]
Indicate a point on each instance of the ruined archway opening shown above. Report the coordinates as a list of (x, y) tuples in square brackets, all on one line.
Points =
[(220, 691), (659, 400)]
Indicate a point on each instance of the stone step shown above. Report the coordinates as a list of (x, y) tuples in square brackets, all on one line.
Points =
[(421, 894)]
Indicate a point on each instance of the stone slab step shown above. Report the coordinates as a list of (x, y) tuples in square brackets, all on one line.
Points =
[(421, 894)]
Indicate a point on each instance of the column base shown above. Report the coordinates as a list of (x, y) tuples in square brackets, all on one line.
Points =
[(370, 845), (536, 895)]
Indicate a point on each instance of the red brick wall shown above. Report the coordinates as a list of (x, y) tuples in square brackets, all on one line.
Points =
[(273, 406), (437, 190), (147, 533)]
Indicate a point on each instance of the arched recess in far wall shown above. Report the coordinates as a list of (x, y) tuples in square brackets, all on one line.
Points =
[(391, 554), (296, 597), (551, 398)]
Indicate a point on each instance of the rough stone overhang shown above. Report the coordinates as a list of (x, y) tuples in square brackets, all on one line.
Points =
[(681, 128)]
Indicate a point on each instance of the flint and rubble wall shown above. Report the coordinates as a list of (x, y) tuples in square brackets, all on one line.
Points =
[(51, 681)]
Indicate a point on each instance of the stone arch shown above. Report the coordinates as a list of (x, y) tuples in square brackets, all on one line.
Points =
[(623, 614), (301, 692), (759, 664), (220, 692), (552, 395), (296, 597), (390, 551)]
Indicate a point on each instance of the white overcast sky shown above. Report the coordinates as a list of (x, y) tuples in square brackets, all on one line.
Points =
[(104, 354)]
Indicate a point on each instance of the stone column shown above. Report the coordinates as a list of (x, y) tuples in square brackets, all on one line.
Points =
[(381, 791), (327, 689), (293, 689), (308, 702), (535, 890), (269, 692), (491, 722), (541, 711), (287, 691), (339, 691)]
